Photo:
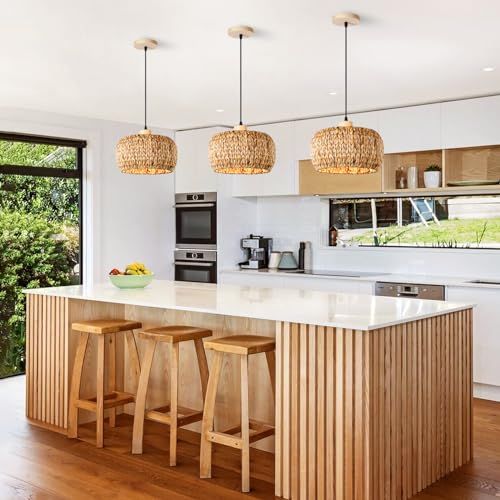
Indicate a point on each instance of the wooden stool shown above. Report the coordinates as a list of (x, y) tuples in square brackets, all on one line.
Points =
[(249, 430), (107, 328), (173, 415)]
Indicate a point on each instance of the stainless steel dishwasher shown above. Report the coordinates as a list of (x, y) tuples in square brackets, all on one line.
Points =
[(410, 290)]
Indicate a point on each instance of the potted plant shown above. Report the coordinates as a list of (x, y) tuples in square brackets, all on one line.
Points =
[(432, 176)]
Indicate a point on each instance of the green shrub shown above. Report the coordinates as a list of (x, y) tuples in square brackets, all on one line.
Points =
[(34, 253)]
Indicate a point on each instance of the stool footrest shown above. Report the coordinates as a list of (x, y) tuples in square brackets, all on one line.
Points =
[(111, 400), (258, 431), (185, 415)]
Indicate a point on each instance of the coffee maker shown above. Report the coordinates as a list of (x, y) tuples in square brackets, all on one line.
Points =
[(257, 251)]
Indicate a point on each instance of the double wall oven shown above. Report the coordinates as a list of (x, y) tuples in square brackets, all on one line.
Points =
[(195, 257)]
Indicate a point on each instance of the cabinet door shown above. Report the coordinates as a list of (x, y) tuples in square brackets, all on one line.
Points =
[(415, 128), (472, 122), (486, 333), (193, 172), (282, 180)]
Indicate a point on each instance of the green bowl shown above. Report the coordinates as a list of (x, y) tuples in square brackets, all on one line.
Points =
[(131, 280)]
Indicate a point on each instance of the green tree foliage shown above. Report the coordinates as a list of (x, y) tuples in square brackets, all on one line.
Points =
[(38, 238), (56, 199)]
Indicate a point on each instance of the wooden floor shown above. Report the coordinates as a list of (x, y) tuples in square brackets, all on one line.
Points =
[(35, 463)]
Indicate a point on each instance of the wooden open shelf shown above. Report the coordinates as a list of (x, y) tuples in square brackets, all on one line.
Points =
[(420, 159), (461, 164)]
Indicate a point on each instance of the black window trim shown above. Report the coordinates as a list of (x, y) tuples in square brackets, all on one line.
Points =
[(40, 171)]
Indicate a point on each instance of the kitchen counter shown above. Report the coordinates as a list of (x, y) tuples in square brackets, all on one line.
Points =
[(338, 310), (376, 388), (372, 277)]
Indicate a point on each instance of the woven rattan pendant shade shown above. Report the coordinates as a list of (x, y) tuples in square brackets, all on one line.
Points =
[(347, 150), (146, 153), (241, 151)]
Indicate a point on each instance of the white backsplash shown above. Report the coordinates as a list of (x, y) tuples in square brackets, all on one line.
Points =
[(289, 220)]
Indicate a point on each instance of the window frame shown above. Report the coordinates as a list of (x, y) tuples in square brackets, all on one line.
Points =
[(40, 171)]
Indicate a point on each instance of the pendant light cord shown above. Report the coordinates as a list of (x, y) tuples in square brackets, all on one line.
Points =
[(241, 79), (346, 24), (145, 88)]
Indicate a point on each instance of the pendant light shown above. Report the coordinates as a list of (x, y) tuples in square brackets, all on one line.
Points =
[(346, 149), (241, 151), (146, 153)]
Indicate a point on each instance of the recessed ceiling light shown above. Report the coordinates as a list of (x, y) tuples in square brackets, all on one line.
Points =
[(332, 93), (488, 69), (219, 110)]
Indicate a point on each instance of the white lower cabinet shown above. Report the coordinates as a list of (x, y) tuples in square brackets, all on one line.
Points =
[(486, 336)]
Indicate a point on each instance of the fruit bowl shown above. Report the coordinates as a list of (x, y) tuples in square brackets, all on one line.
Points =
[(131, 280)]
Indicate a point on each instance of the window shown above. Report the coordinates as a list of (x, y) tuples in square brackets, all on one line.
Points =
[(40, 229), (471, 221)]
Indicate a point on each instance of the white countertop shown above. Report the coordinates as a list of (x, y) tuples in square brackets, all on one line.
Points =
[(360, 312), (416, 279)]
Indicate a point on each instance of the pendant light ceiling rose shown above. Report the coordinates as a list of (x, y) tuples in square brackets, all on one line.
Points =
[(244, 31), (145, 43), (346, 17)]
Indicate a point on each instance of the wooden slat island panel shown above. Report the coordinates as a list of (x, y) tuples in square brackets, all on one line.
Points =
[(372, 414)]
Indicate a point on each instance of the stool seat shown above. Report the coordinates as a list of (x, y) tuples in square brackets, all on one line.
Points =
[(104, 326), (242, 344), (175, 333)]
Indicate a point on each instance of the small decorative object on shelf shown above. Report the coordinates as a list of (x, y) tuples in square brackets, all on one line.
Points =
[(432, 176), (332, 236), (412, 177), (401, 182)]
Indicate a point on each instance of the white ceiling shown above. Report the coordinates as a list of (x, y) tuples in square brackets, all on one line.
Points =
[(76, 57)]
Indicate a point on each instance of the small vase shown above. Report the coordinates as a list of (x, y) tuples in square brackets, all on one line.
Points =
[(432, 179), (412, 177)]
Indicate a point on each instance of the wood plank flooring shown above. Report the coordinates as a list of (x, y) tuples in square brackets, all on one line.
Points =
[(39, 464)]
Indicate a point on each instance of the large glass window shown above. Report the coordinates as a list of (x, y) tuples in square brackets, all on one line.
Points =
[(471, 221), (40, 229)]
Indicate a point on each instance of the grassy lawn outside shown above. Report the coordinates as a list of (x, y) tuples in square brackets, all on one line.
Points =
[(473, 233)]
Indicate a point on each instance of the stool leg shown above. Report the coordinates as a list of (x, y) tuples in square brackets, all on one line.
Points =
[(271, 365), (101, 339), (133, 356), (111, 378), (76, 379), (140, 400), (208, 417), (202, 366), (174, 382), (245, 429)]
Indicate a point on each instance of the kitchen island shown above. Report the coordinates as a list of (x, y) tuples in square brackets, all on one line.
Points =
[(373, 394)]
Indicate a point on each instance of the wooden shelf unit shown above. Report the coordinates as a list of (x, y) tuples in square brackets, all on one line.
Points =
[(459, 164)]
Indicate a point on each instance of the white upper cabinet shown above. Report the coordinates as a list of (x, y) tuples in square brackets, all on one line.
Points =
[(283, 178), (472, 122), (304, 132), (416, 128), (193, 172)]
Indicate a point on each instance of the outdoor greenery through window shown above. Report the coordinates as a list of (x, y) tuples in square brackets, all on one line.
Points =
[(441, 222), (40, 229)]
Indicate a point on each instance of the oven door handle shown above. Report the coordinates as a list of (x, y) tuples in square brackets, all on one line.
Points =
[(196, 264), (194, 205)]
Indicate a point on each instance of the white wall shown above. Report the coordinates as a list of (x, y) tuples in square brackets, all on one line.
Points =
[(289, 220), (127, 217)]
